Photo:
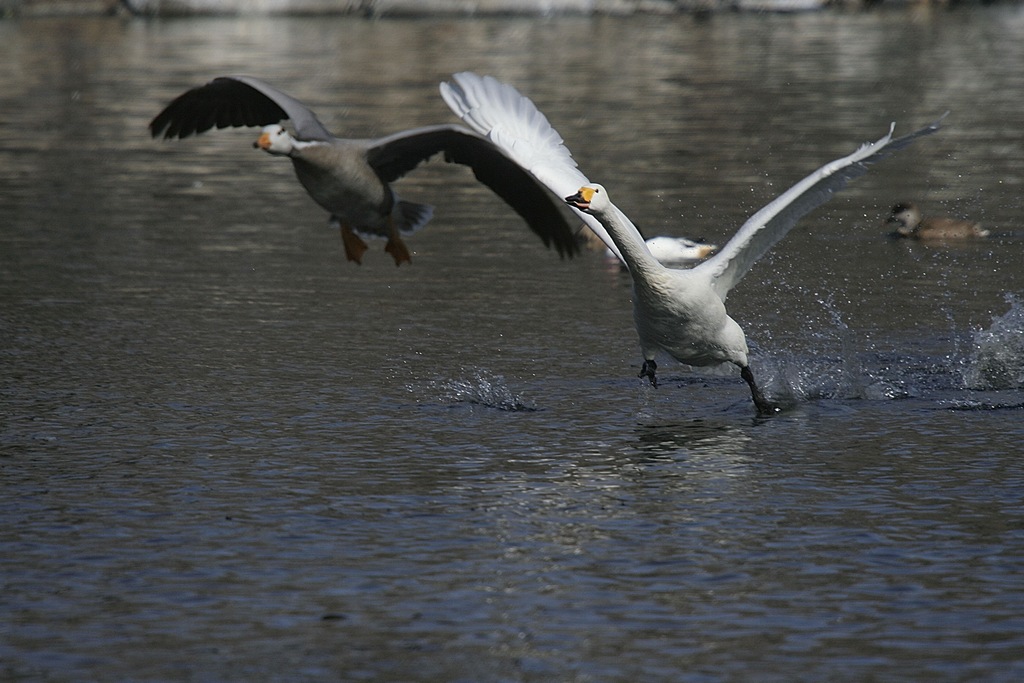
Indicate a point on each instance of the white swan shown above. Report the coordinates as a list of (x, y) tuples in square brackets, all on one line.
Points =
[(679, 312)]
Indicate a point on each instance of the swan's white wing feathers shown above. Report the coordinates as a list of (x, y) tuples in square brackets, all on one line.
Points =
[(508, 119), (770, 224), (501, 114)]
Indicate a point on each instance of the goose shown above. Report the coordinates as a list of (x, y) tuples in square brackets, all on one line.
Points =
[(351, 178), (907, 217), (678, 312)]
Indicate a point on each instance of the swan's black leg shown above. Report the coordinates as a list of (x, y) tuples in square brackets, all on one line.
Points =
[(764, 407), (648, 370)]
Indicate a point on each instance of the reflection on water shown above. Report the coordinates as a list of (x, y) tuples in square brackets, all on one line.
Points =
[(230, 455), (700, 437)]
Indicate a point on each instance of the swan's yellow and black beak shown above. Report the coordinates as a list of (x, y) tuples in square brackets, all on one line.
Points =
[(581, 200)]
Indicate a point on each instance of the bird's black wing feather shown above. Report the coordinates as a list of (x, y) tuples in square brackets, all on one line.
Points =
[(232, 101), (395, 155)]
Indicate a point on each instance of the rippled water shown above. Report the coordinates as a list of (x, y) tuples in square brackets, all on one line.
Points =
[(229, 455)]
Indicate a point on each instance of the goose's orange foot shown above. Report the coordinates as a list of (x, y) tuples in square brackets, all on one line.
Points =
[(355, 247), (396, 247)]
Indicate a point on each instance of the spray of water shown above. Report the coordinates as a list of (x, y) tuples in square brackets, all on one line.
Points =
[(484, 389), (834, 370), (996, 360)]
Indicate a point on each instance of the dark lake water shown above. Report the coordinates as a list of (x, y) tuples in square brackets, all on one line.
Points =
[(229, 455)]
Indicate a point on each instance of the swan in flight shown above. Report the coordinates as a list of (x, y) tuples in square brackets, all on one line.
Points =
[(352, 179), (907, 217), (678, 312)]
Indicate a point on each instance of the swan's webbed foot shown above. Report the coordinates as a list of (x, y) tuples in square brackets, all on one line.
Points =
[(763, 405), (648, 370)]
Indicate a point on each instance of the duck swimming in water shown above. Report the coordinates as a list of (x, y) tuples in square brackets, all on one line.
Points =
[(907, 217)]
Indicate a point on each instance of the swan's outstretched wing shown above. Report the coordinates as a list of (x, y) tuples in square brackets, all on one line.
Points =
[(770, 224), (235, 101), (512, 122), (393, 156)]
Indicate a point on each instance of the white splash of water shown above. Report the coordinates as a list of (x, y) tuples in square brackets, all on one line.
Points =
[(484, 389), (835, 370), (997, 359)]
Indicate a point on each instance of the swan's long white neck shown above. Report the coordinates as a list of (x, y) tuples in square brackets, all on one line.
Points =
[(627, 239)]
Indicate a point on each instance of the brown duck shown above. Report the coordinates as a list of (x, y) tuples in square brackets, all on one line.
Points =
[(907, 217)]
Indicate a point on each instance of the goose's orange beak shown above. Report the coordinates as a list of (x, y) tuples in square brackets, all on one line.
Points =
[(263, 142)]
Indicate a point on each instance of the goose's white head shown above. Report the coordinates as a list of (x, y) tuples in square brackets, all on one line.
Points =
[(590, 198), (275, 140)]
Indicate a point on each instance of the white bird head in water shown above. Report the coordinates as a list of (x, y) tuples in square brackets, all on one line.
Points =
[(590, 198), (275, 140)]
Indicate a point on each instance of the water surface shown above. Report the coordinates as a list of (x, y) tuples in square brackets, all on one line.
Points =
[(229, 455)]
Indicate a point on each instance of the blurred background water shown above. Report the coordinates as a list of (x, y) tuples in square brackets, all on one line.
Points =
[(227, 454)]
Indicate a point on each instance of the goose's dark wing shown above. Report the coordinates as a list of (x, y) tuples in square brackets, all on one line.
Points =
[(395, 155), (235, 101)]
